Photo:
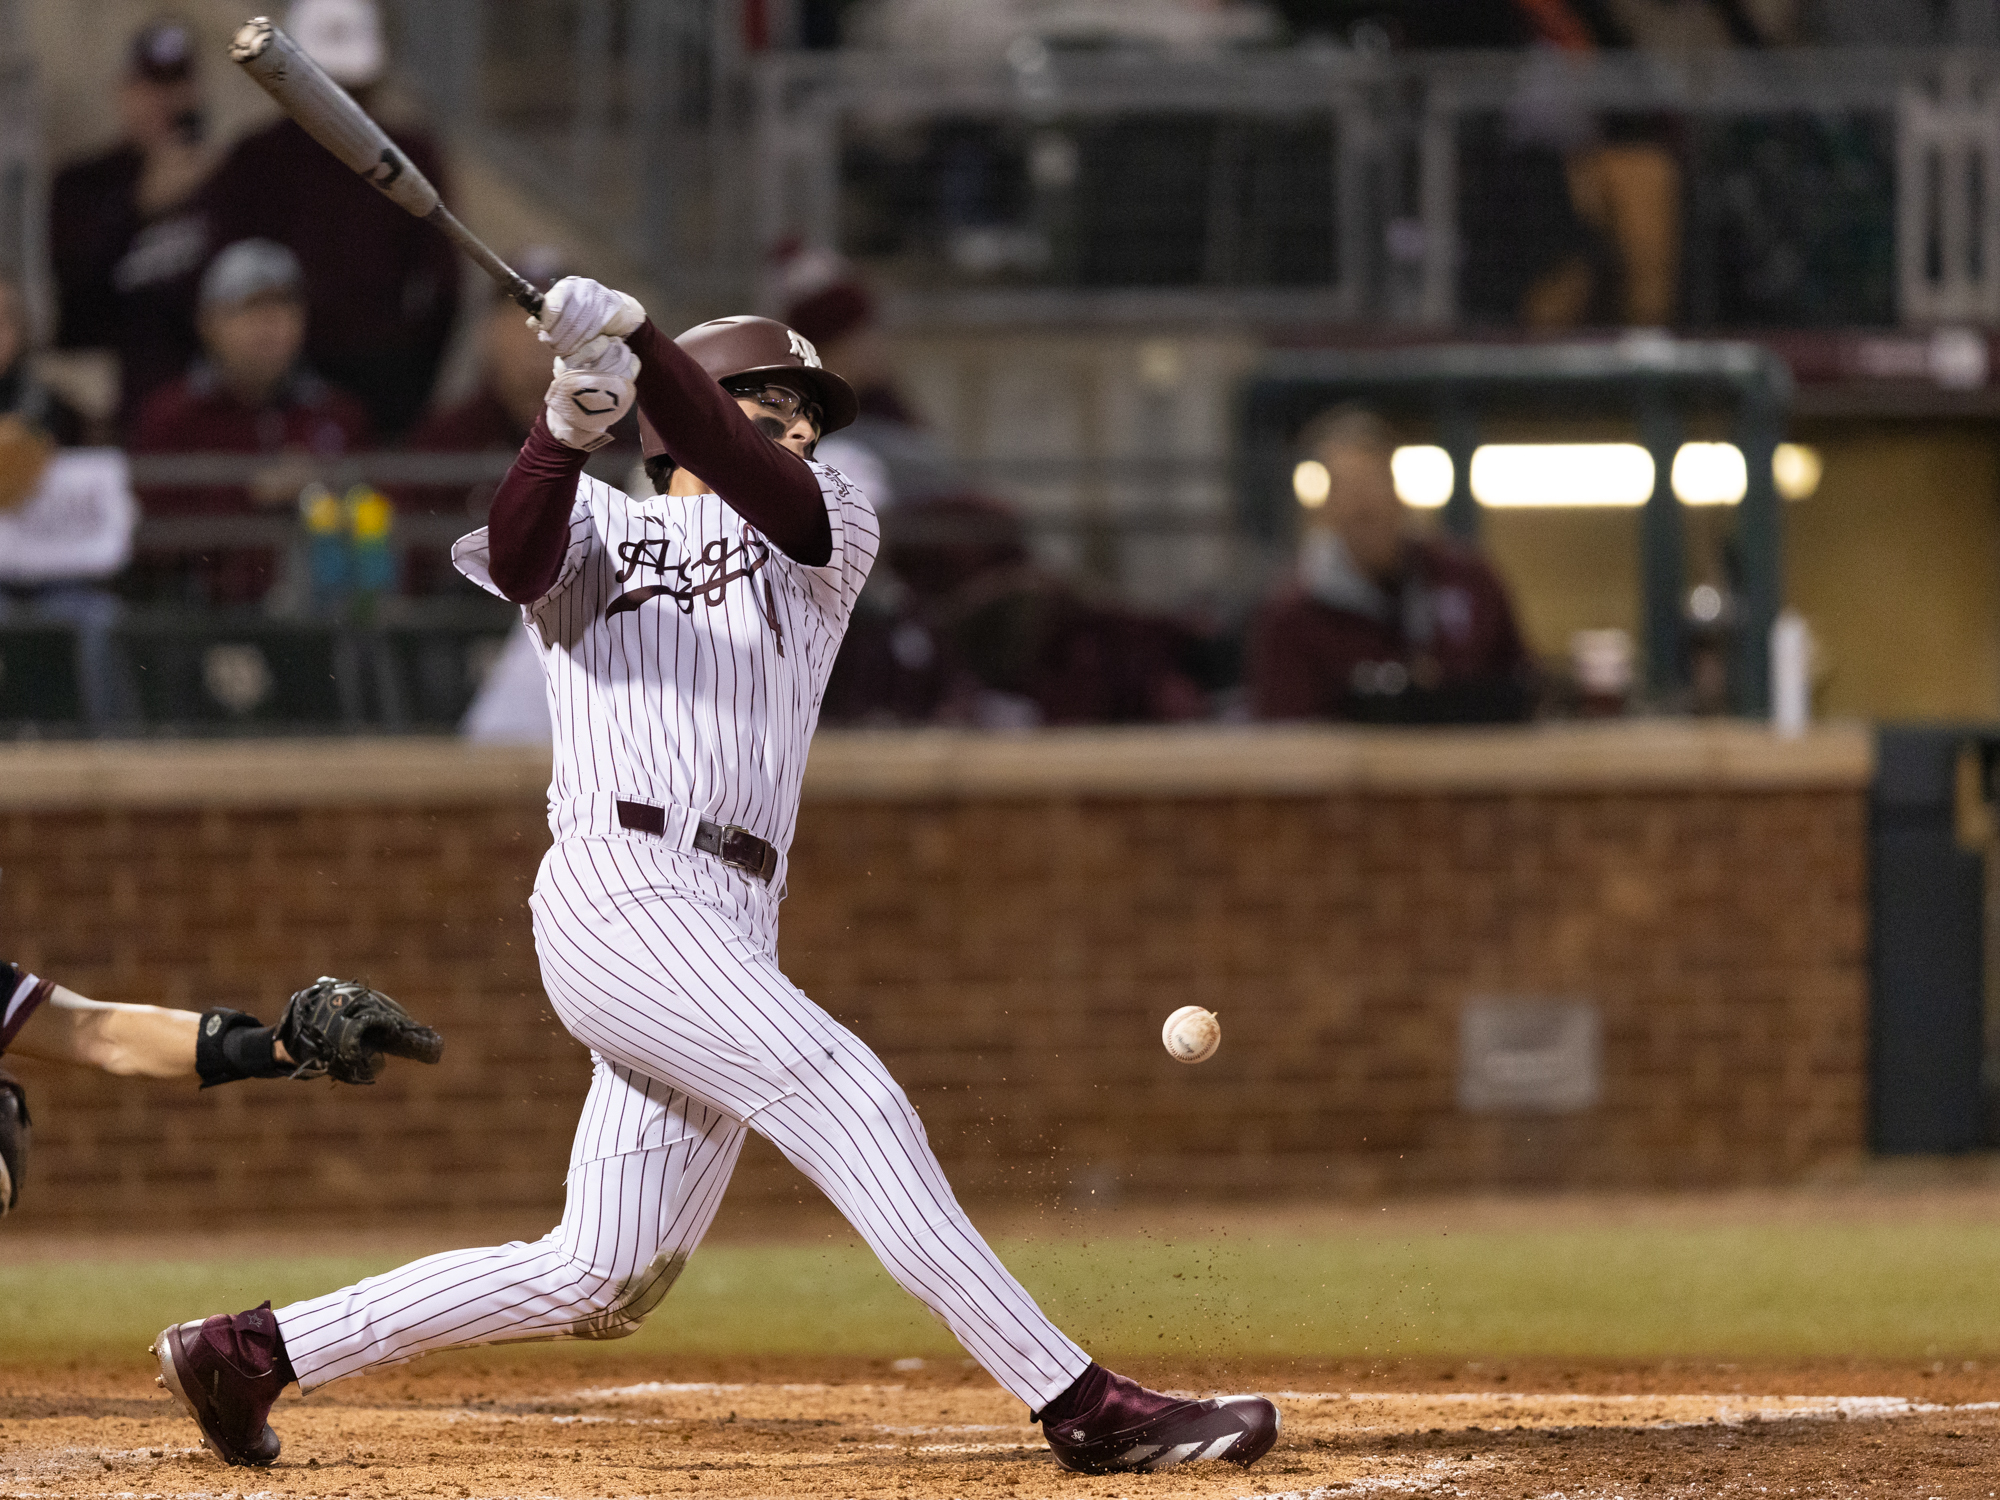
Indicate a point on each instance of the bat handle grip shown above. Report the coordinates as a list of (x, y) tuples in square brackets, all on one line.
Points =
[(525, 294)]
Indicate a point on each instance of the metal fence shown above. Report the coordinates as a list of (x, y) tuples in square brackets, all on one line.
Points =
[(1818, 188), (627, 115)]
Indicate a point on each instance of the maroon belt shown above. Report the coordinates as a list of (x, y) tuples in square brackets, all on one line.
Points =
[(728, 843)]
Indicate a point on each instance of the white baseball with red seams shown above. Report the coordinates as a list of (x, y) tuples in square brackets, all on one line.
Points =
[(1191, 1034), (686, 658)]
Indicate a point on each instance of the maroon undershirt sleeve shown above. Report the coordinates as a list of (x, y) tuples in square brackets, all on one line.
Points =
[(527, 527), (707, 434)]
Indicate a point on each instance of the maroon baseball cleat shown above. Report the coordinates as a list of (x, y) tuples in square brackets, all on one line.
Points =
[(1106, 1424), (227, 1370)]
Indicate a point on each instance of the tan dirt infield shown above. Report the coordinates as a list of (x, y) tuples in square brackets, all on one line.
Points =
[(540, 1423)]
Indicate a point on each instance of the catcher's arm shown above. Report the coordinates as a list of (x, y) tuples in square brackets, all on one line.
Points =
[(131, 1041), (335, 1028)]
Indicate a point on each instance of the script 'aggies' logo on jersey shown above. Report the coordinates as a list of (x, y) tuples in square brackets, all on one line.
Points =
[(704, 578)]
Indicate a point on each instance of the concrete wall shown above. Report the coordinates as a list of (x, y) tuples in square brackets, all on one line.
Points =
[(1008, 922)]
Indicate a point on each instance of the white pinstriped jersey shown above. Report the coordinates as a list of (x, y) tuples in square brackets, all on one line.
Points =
[(686, 656)]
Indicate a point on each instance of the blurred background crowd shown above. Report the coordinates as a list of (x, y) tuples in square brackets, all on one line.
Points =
[(1065, 250)]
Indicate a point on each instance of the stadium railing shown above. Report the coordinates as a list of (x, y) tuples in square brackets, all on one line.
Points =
[(1317, 184)]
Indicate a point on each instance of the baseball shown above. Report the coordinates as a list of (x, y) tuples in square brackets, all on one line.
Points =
[(1191, 1034)]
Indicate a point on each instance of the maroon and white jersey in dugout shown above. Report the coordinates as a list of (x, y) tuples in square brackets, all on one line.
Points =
[(686, 658)]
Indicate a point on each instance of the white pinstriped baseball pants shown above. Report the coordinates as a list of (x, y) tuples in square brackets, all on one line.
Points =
[(664, 964)]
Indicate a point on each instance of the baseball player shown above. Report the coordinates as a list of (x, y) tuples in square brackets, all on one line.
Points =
[(686, 638), (336, 1028)]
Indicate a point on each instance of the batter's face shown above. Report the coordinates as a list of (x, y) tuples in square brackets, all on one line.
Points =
[(797, 431)]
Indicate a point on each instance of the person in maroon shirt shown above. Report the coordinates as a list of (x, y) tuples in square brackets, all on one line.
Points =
[(128, 231), (381, 286), (250, 393), (1379, 623)]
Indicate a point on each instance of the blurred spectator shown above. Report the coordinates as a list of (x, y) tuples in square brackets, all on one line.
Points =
[(514, 368), (31, 405), (127, 232), (972, 632), (65, 519), (1570, 216), (957, 624), (1380, 623), (514, 371), (249, 393), (886, 451), (381, 286)]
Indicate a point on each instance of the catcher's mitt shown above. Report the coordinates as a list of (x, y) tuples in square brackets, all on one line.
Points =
[(13, 1142), (340, 1028)]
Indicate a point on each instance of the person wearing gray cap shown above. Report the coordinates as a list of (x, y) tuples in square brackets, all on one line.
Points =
[(250, 392), (381, 287), (128, 229)]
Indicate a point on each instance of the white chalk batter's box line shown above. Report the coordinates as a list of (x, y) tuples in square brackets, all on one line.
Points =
[(1731, 1410)]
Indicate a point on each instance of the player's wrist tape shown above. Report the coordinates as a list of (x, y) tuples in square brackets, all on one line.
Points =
[(231, 1045)]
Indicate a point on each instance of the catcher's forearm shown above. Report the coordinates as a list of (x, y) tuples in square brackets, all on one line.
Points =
[(132, 1041)]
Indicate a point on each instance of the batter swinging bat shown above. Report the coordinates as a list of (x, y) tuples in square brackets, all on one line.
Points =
[(328, 113)]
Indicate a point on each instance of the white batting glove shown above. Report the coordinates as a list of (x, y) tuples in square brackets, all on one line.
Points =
[(577, 310), (591, 391)]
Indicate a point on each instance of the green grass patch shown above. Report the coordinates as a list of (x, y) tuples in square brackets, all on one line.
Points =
[(1885, 1290)]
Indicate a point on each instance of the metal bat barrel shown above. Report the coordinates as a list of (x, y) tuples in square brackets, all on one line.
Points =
[(329, 114)]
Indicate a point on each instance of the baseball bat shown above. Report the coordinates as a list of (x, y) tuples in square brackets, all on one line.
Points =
[(329, 114)]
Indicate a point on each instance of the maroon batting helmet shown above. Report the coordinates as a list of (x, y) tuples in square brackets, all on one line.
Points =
[(745, 348)]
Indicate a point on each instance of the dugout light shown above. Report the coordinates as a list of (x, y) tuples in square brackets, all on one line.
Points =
[(1796, 469), (1522, 475), (1715, 473), (1423, 476), (1528, 476), (1312, 484), (1710, 474)]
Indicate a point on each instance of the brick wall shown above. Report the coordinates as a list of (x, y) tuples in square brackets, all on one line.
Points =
[(1012, 958)]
